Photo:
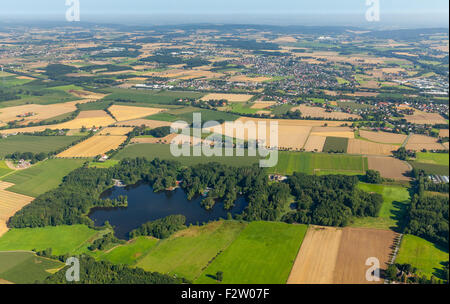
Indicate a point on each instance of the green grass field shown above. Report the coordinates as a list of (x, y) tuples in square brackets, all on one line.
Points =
[(424, 255), (129, 253), (42, 177), (187, 253), (26, 267), (431, 168), (262, 254), (320, 163), (150, 96), (162, 151), (4, 169), (335, 144), (433, 158), (62, 239), (35, 144), (395, 202), (243, 108)]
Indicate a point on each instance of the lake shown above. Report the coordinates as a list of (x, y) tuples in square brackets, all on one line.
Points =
[(145, 205)]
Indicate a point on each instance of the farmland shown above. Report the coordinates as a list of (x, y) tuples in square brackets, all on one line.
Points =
[(4, 169), (25, 267), (338, 256), (41, 177), (245, 260), (310, 163), (189, 251), (390, 167), (430, 168), (395, 202), (335, 144), (358, 146), (62, 239), (433, 158), (35, 144), (122, 113), (425, 256), (148, 96), (93, 146)]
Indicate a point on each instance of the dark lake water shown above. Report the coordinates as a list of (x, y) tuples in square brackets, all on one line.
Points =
[(145, 205)]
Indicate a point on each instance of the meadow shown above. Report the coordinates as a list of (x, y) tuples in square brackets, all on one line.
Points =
[(130, 252), (35, 144), (422, 254), (4, 169), (162, 151), (395, 202), (42, 177), (433, 158), (431, 168), (188, 252), (246, 260), (62, 239), (320, 163), (26, 267)]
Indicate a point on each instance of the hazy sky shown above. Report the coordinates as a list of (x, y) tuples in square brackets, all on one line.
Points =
[(108, 10)]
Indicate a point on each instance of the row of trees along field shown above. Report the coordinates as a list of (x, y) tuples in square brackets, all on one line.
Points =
[(326, 200)]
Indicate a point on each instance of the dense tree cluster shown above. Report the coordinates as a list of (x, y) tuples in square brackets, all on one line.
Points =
[(330, 200), (428, 218), (101, 272), (160, 228), (373, 177), (103, 242)]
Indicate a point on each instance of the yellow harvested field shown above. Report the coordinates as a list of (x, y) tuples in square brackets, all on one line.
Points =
[(390, 167), (444, 133), (38, 112), (229, 97), (418, 142), (262, 104), (10, 203), (420, 117), (358, 146), (144, 122), (115, 131), (88, 119), (86, 94), (93, 146), (243, 78), (344, 134), (153, 140), (315, 143), (122, 113), (316, 260), (318, 112), (383, 137)]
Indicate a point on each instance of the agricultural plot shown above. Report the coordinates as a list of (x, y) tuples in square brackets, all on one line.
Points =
[(419, 142), (35, 144), (62, 239), (420, 117), (338, 255), (344, 132), (26, 267), (122, 113), (444, 133), (144, 122), (392, 212), (150, 96), (383, 137), (433, 158), (189, 252), (229, 97), (245, 260), (431, 168), (10, 203), (115, 131), (34, 112), (314, 143), (151, 151), (260, 105), (390, 167), (129, 253), (427, 257), (310, 163), (41, 177), (93, 146), (318, 112), (336, 144), (316, 259), (4, 169), (358, 146)]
